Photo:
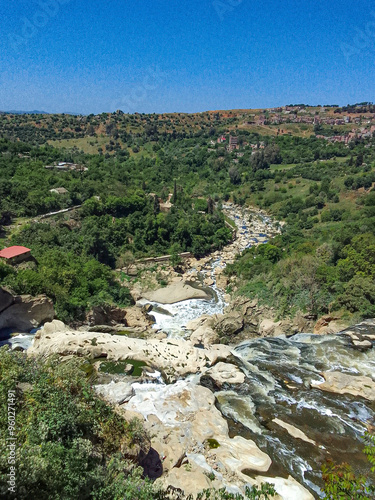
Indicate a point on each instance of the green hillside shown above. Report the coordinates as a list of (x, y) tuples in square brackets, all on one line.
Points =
[(319, 186)]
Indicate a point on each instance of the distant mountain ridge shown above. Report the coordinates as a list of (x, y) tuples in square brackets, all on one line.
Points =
[(15, 112), (36, 112)]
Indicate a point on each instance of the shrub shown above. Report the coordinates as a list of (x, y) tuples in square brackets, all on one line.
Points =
[(70, 443)]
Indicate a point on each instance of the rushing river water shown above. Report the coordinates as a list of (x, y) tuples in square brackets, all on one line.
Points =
[(253, 228), (173, 318), (278, 386), (15, 339), (279, 373)]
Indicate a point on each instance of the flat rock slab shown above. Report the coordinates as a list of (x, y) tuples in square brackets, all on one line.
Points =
[(341, 383), (174, 357), (177, 292), (293, 431)]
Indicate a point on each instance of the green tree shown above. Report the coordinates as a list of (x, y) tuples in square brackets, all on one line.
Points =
[(342, 483), (234, 175)]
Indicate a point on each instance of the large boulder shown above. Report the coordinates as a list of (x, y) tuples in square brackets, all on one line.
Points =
[(105, 315), (229, 324), (27, 312), (204, 335), (194, 324), (225, 373), (176, 292), (271, 328), (132, 317), (268, 327), (328, 324), (287, 488), (115, 392), (136, 317)]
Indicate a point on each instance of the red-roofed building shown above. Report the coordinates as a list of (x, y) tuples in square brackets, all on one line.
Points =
[(15, 254)]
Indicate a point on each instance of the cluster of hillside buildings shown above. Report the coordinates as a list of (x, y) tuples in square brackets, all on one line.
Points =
[(300, 114), (233, 144), (63, 166), (362, 133)]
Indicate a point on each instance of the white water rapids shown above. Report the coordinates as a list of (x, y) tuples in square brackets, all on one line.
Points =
[(253, 228)]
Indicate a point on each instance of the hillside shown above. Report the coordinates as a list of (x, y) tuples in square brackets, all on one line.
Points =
[(123, 131), (299, 163)]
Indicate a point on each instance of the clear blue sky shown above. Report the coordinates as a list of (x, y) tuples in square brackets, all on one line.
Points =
[(172, 55)]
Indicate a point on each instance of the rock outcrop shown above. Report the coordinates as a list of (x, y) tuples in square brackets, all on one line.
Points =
[(176, 292), (6, 299), (229, 324), (245, 319), (192, 438), (287, 489), (25, 312), (173, 357), (342, 383)]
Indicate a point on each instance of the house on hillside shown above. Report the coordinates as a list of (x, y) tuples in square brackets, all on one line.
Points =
[(167, 205), (64, 166), (15, 254), (59, 191), (233, 143)]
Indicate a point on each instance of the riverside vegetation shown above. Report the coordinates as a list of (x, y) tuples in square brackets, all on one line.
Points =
[(70, 444), (322, 263)]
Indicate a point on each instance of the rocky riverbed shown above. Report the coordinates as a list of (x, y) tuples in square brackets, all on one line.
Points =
[(175, 306), (270, 408), (267, 409)]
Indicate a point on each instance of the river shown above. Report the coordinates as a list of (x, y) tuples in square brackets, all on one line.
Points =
[(279, 376), (252, 228)]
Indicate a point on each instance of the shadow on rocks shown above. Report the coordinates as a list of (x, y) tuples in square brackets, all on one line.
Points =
[(152, 465)]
